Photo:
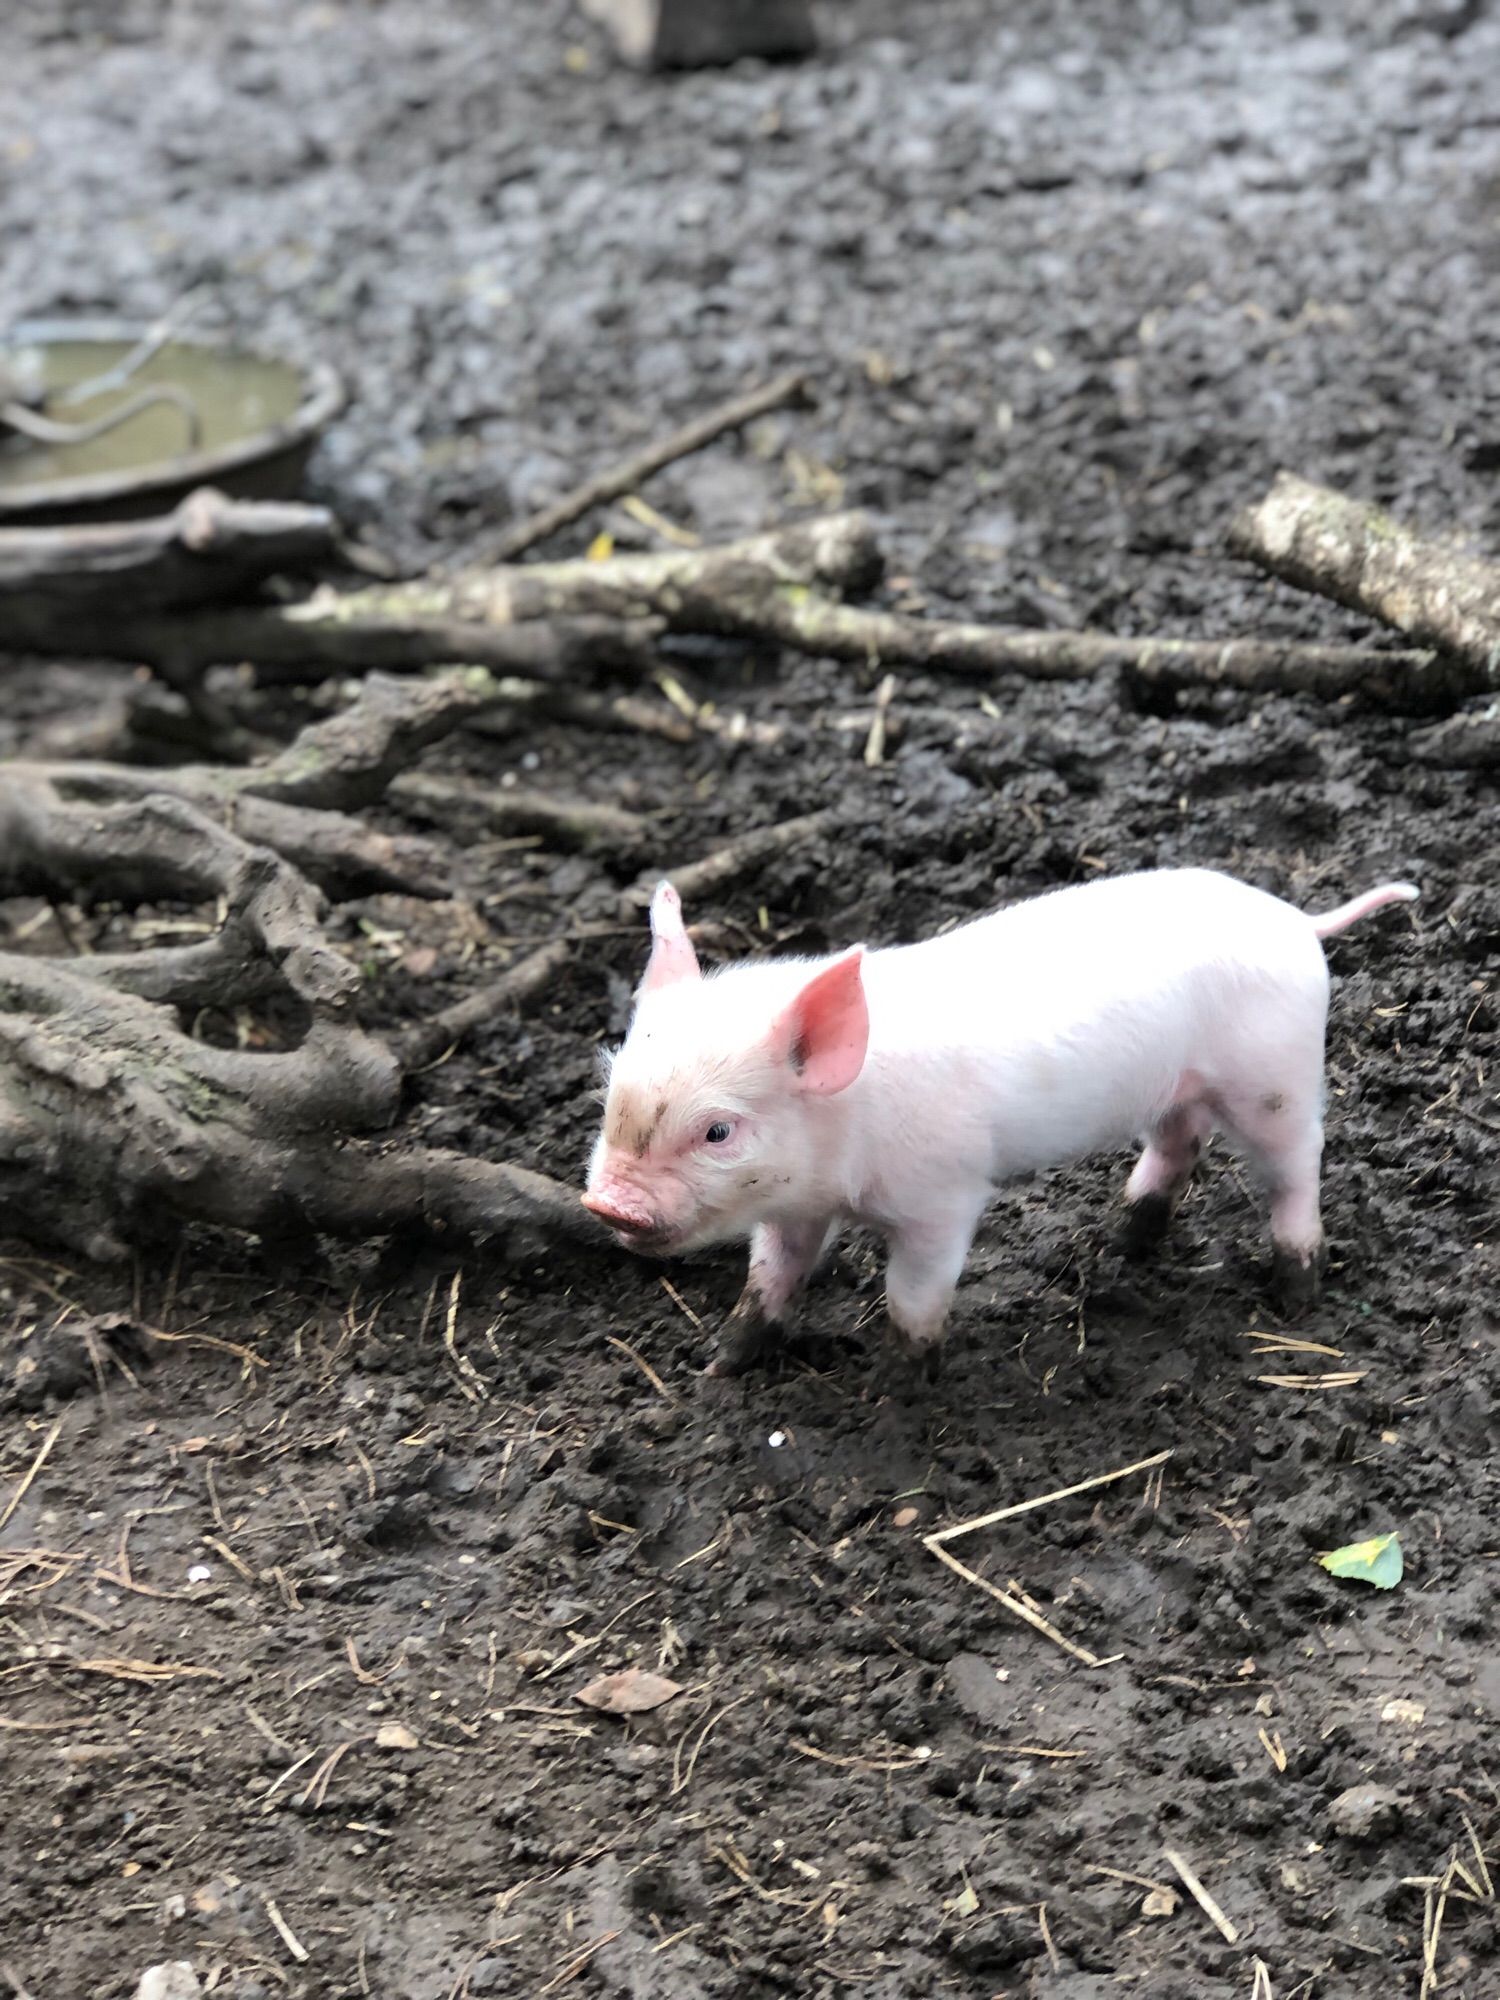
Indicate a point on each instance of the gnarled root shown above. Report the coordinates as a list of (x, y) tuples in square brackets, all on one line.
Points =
[(113, 1114)]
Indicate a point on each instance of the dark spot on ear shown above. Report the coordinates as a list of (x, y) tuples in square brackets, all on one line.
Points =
[(1273, 1102), (799, 1054)]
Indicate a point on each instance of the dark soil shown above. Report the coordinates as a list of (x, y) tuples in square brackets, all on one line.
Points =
[(1075, 283)]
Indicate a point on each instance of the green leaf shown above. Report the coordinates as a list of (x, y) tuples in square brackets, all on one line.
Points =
[(1377, 1561)]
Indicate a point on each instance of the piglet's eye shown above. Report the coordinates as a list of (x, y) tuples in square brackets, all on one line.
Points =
[(717, 1133)]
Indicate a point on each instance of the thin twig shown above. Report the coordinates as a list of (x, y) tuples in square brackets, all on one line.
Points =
[(1201, 1897), (633, 471), (1016, 1607), (35, 1467), (1052, 1957), (875, 741), (1044, 1499), (284, 1932), (576, 1963)]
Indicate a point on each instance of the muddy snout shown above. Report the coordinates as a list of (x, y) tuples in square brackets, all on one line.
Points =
[(632, 1222)]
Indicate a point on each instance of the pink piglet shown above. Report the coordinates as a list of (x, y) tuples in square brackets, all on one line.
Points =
[(780, 1099)]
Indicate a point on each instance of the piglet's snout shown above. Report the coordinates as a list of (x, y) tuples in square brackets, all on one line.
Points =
[(622, 1210)]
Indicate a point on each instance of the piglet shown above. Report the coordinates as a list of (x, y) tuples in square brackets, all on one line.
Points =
[(779, 1099)]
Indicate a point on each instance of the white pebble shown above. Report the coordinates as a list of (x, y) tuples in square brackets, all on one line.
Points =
[(200, 1573), (776, 1440)]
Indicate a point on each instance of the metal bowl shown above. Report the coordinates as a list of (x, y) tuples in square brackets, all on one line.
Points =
[(258, 418)]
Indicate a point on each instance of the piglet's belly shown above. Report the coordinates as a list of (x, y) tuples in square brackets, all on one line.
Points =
[(1081, 1108)]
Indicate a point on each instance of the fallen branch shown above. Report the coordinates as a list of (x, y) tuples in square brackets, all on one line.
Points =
[(383, 628), (1463, 742), (633, 471), (722, 590), (811, 624), (555, 622), (208, 547), (1357, 555)]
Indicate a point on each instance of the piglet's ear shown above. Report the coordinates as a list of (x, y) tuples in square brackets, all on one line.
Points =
[(672, 955), (825, 1031)]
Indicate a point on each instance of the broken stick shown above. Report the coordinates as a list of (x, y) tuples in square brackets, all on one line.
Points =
[(1357, 555), (208, 547)]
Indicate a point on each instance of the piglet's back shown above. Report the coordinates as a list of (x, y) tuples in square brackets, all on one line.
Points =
[(1106, 942)]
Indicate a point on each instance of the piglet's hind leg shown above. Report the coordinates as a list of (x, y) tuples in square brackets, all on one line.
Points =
[(1162, 1174), (1283, 1132)]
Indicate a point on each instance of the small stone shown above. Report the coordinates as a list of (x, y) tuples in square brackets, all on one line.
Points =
[(904, 1517), (175, 1981), (1366, 1812), (1409, 1712)]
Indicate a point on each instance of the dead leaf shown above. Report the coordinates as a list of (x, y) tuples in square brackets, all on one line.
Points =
[(632, 1691), (1159, 1903), (420, 960), (395, 1736), (965, 1903)]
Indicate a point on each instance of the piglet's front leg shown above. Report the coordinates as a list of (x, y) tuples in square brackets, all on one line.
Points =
[(783, 1256)]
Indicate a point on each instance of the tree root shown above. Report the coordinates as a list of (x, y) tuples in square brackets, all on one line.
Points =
[(425, 1044), (114, 1116), (565, 822), (735, 858), (1357, 555)]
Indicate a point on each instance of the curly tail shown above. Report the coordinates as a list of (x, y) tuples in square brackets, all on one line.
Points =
[(1373, 899)]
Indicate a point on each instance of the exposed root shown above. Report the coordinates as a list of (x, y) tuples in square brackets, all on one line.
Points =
[(565, 822), (697, 878), (114, 1116)]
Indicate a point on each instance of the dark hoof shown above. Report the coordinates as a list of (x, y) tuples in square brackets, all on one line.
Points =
[(925, 1360), (1146, 1224), (1297, 1285), (744, 1342)]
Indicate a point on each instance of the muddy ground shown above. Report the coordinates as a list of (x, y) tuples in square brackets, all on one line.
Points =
[(1073, 289)]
